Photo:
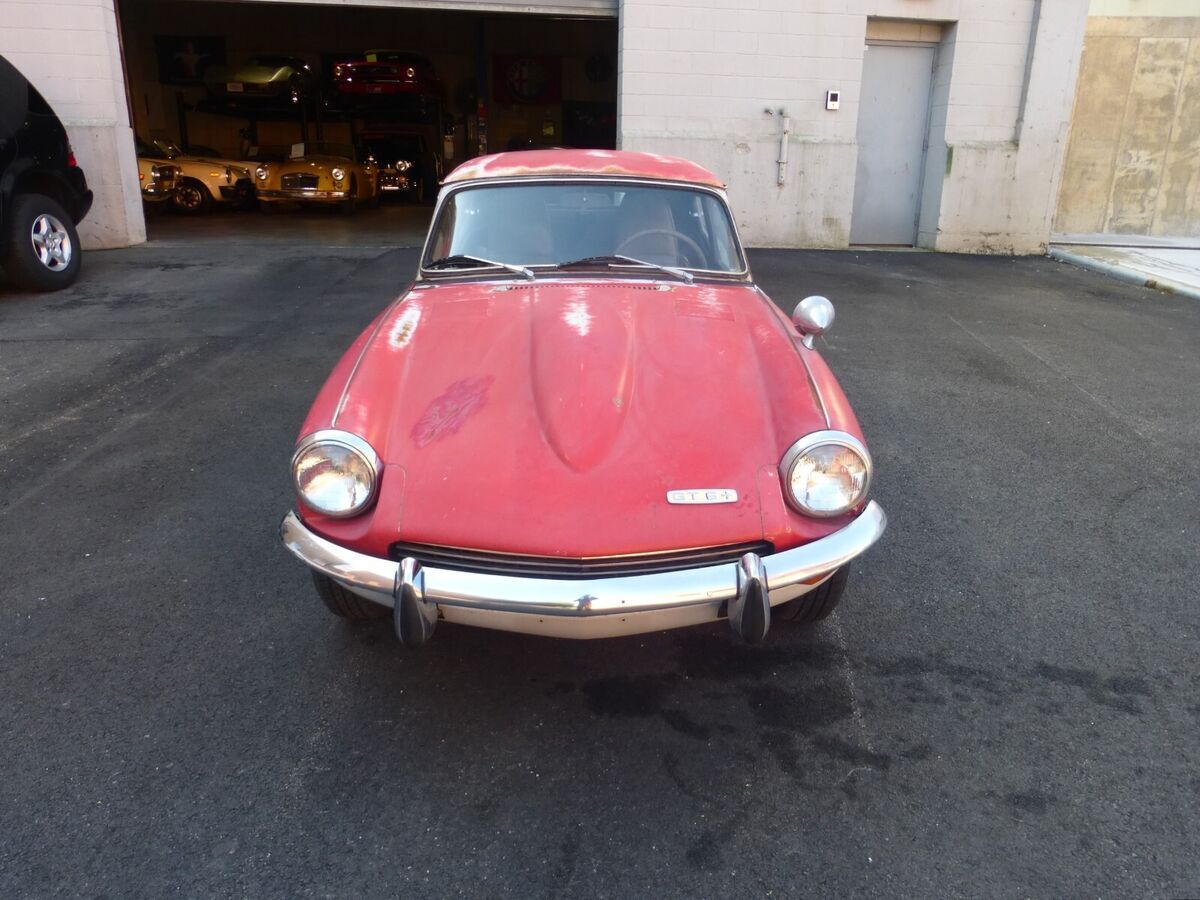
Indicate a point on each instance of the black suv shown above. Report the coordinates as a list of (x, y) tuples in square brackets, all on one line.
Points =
[(43, 193)]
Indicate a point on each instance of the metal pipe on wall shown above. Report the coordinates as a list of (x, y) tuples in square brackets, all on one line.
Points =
[(783, 145)]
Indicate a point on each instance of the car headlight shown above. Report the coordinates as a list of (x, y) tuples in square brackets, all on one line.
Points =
[(338, 174), (261, 173), (335, 473), (826, 473), (403, 165)]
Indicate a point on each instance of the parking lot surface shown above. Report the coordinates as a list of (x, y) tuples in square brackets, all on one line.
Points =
[(1006, 704)]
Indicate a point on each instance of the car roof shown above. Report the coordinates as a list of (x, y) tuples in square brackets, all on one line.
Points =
[(614, 163), (407, 53)]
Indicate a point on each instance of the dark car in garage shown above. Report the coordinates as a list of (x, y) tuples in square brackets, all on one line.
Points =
[(43, 192), (407, 166)]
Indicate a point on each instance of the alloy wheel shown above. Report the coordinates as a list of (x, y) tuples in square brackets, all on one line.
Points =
[(51, 242)]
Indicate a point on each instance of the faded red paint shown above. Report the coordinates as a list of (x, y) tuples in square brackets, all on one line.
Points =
[(601, 395), (622, 163), (447, 412)]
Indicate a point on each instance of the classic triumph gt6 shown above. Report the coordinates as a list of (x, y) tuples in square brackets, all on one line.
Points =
[(583, 419)]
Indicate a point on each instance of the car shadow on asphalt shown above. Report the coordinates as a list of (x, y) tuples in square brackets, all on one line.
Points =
[(695, 685)]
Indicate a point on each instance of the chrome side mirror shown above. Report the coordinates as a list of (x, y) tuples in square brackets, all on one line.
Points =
[(813, 316)]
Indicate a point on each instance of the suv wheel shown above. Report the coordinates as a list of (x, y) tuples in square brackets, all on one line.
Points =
[(40, 247)]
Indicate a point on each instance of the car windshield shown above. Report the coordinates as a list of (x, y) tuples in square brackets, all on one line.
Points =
[(394, 56), (267, 153), (602, 224), (167, 148), (323, 148)]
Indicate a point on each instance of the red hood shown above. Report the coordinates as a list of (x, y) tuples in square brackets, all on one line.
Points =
[(552, 417)]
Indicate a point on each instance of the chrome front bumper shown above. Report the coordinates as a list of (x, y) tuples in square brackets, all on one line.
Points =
[(303, 194), (743, 591)]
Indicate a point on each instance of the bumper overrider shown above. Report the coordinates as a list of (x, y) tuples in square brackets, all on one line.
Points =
[(742, 592)]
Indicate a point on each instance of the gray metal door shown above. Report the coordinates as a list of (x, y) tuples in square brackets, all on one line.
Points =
[(893, 119)]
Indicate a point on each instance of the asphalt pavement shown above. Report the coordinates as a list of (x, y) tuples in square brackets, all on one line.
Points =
[(1006, 704)]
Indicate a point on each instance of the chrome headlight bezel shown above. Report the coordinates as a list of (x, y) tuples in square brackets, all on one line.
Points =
[(343, 440), (338, 174), (809, 443), (260, 172)]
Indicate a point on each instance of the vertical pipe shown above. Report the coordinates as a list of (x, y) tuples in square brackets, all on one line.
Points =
[(481, 89), (783, 145), (1034, 21)]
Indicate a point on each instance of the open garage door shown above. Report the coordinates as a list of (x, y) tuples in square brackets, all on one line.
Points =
[(242, 106)]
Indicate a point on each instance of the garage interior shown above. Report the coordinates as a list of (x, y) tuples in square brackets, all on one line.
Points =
[(507, 81)]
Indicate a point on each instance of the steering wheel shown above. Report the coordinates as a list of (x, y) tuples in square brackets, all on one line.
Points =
[(667, 231)]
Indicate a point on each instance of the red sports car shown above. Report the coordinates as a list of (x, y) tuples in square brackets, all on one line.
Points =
[(387, 73), (583, 419)]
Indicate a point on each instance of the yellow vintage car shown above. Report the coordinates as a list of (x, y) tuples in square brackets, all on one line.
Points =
[(317, 172)]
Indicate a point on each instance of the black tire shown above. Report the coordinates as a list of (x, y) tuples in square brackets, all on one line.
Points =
[(192, 198), (19, 255), (817, 604), (345, 604)]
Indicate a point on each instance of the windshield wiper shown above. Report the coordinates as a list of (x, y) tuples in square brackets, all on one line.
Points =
[(460, 260), (617, 258)]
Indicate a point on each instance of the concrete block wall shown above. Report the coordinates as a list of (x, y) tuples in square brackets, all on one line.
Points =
[(698, 78), (70, 50)]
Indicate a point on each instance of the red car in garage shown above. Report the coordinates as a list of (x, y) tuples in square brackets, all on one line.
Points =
[(387, 74), (583, 419)]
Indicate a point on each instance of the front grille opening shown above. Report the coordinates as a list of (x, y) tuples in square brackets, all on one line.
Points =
[(519, 565), (301, 182)]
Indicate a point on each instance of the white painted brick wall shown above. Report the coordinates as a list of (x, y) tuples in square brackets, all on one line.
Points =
[(696, 76)]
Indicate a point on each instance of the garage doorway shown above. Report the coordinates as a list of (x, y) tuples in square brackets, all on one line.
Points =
[(198, 76), (893, 125)]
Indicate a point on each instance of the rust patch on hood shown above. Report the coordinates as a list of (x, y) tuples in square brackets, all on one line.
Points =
[(448, 411)]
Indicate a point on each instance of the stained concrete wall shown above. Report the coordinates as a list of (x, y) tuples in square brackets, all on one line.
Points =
[(1133, 163)]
